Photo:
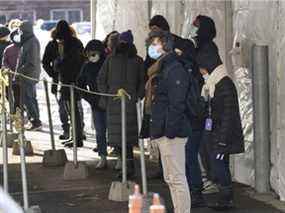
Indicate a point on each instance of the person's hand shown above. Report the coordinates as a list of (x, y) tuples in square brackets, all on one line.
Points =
[(54, 89), (178, 51), (154, 150)]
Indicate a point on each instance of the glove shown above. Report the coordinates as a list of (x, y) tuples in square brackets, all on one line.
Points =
[(54, 89), (153, 151)]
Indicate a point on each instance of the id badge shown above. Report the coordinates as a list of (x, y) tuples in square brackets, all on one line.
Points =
[(209, 124)]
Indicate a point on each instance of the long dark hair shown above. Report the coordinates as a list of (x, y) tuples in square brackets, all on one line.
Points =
[(105, 41), (63, 31)]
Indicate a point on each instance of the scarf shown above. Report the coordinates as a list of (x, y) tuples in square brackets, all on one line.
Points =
[(149, 87), (215, 77)]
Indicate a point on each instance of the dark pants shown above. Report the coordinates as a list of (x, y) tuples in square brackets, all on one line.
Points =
[(65, 96), (100, 122), (63, 115), (221, 170), (193, 170), (31, 102), (130, 154)]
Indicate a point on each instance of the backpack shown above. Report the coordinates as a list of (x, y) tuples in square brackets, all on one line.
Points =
[(195, 103)]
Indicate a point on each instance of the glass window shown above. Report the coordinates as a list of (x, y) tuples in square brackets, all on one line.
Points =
[(74, 16)]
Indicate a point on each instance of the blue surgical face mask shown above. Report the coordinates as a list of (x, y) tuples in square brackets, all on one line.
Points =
[(206, 77), (153, 52), (193, 31)]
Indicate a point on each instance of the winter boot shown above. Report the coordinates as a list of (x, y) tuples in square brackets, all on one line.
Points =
[(225, 199), (64, 136), (197, 199), (130, 170)]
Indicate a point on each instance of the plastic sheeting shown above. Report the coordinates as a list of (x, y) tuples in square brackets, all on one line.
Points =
[(260, 22)]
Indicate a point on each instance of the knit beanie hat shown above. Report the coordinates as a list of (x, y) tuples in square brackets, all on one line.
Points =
[(127, 36), (160, 21), (208, 57)]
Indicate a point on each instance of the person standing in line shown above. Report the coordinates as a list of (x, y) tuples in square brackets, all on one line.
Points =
[(87, 80), (10, 59), (166, 99), (123, 69), (68, 64), (224, 134), (4, 35), (29, 64)]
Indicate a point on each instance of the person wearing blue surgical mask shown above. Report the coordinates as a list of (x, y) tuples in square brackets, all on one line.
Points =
[(166, 93)]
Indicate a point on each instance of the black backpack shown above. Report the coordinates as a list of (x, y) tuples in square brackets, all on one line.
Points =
[(195, 103)]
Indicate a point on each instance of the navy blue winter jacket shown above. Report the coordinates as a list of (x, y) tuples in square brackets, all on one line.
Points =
[(168, 108)]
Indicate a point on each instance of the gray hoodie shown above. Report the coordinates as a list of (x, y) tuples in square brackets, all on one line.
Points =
[(29, 60)]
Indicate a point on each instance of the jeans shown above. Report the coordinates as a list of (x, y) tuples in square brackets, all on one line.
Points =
[(31, 102), (63, 115), (193, 170), (100, 122), (172, 153), (221, 170)]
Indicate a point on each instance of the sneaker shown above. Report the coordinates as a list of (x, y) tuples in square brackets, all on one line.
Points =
[(102, 164), (70, 144), (118, 165), (64, 136), (35, 127), (210, 188), (95, 149)]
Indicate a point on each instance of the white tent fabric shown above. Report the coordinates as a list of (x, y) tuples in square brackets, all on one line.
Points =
[(260, 22)]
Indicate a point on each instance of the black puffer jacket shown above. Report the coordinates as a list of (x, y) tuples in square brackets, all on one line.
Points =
[(226, 119), (168, 116), (227, 134), (49, 58), (123, 69)]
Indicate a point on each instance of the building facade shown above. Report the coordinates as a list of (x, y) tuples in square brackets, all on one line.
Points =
[(70, 10)]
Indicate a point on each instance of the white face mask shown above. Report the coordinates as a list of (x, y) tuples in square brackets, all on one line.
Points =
[(17, 38), (206, 77), (94, 59)]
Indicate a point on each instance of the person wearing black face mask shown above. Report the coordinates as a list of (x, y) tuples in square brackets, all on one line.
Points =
[(87, 80), (68, 65), (122, 69)]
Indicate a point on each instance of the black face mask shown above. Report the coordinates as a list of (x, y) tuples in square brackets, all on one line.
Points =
[(122, 47)]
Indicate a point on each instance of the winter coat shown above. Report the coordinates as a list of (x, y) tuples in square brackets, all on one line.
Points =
[(88, 80), (227, 135), (10, 57), (70, 66), (49, 58), (29, 59), (122, 70), (168, 106), (3, 45)]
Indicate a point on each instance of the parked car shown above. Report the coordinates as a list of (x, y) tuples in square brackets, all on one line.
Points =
[(82, 27), (48, 25)]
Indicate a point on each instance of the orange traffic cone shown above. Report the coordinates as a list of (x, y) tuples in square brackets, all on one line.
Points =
[(156, 206), (136, 201)]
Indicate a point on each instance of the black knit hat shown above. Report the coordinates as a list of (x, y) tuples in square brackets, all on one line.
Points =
[(95, 45), (208, 57), (159, 21), (4, 31)]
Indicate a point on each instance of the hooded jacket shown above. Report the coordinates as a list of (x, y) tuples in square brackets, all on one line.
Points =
[(88, 76), (29, 57), (168, 107), (206, 30)]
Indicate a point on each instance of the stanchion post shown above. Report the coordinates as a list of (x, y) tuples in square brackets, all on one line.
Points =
[(49, 115), (72, 107), (22, 152), (11, 101), (141, 144), (124, 142), (4, 139)]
